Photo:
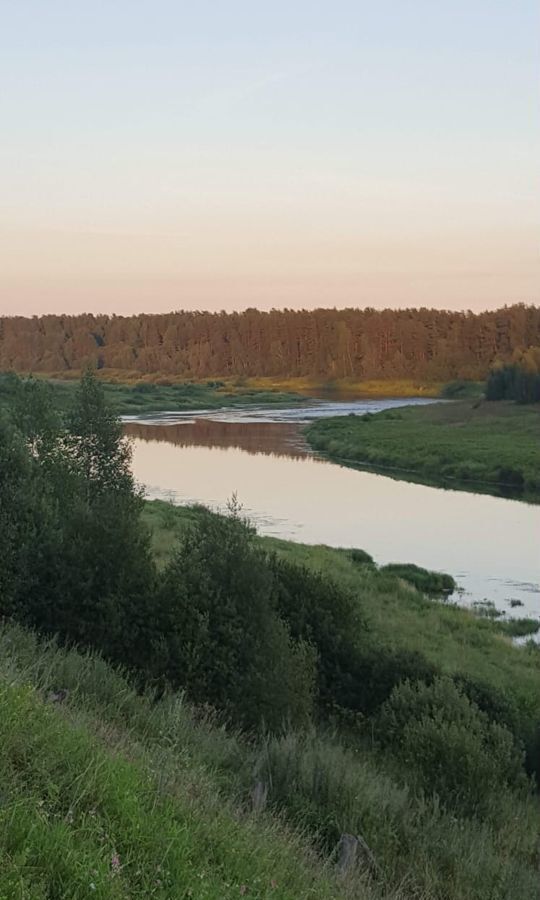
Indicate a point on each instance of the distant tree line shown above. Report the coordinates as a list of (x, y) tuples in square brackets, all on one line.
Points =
[(323, 343), (518, 380)]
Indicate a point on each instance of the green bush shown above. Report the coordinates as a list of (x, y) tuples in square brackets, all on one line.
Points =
[(434, 583), (360, 557), (328, 617), (450, 745), (380, 669), (217, 632)]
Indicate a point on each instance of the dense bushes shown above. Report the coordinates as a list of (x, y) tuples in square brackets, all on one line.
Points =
[(450, 744), (518, 380), (218, 626), (329, 618), (84, 567)]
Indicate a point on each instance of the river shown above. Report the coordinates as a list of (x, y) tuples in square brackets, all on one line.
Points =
[(489, 544)]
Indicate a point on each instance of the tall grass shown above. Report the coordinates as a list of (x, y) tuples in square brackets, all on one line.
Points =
[(110, 796), (165, 788)]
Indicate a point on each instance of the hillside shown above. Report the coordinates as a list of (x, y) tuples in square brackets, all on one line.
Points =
[(325, 344), (190, 710), (106, 794)]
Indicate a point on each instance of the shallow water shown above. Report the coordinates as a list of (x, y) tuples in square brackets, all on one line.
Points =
[(489, 544)]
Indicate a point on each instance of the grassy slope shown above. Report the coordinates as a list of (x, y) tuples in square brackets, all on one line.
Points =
[(166, 789), (489, 444), (109, 773), (95, 804), (451, 637)]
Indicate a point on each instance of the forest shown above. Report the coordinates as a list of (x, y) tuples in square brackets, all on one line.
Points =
[(429, 344), (518, 380), (359, 705)]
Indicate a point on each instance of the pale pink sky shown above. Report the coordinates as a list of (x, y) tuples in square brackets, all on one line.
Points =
[(171, 155)]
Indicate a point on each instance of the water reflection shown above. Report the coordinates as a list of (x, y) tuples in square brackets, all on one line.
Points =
[(269, 438), (489, 544)]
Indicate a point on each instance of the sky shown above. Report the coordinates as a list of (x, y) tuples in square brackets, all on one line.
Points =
[(168, 155)]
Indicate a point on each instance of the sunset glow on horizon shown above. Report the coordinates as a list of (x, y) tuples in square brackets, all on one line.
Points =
[(167, 155)]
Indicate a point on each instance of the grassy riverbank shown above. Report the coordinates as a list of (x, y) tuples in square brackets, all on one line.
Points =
[(348, 388), (454, 639), (492, 445), (110, 792), (128, 393), (147, 397)]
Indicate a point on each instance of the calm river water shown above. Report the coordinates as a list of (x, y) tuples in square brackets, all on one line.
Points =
[(489, 544)]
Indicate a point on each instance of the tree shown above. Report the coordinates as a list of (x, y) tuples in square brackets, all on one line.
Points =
[(217, 632), (84, 565), (108, 569)]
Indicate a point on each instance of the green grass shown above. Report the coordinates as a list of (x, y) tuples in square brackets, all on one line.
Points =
[(520, 627), (108, 795), (463, 390), (129, 396), (147, 397), (431, 583), (399, 616), (495, 446), (110, 773)]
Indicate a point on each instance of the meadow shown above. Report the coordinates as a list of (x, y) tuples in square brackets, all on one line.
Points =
[(143, 396), (494, 446)]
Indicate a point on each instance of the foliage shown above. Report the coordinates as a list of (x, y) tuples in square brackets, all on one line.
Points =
[(520, 627), (205, 772), (84, 816), (262, 630), (429, 344), (317, 610), (150, 397), (518, 380), (356, 671), (495, 446), (431, 583), (361, 557), (407, 635), (461, 389), (83, 551), (454, 748), (218, 632)]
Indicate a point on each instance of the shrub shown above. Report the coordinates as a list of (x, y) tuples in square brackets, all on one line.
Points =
[(355, 672), (328, 617), (216, 630), (450, 744), (434, 583), (380, 669), (360, 557)]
